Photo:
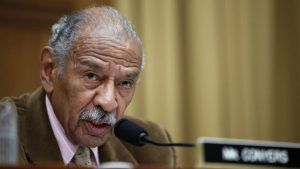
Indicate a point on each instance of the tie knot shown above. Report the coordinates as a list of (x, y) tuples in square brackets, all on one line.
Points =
[(82, 157)]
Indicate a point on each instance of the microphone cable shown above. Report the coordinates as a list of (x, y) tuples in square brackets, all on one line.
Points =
[(147, 139)]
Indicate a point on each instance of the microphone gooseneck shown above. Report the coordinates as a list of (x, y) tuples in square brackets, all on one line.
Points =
[(136, 135)]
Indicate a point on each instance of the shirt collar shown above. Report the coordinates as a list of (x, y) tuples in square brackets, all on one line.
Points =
[(67, 148)]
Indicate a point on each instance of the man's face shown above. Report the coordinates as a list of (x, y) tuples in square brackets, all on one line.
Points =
[(100, 74)]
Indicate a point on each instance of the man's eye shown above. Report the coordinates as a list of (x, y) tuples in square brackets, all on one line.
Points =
[(126, 84), (91, 76)]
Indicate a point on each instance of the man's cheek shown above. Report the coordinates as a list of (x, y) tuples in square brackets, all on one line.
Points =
[(121, 111), (76, 122)]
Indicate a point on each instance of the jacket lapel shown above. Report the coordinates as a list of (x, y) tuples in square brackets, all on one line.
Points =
[(114, 150), (40, 144)]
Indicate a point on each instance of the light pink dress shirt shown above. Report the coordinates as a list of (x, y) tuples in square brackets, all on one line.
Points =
[(67, 149)]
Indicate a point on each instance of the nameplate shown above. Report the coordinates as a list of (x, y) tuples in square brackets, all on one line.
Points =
[(234, 151)]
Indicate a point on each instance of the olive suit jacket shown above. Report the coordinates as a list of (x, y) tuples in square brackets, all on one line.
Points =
[(37, 143)]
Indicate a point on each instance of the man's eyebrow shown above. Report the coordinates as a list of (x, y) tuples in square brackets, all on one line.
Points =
[(133, 75), (90, 64)]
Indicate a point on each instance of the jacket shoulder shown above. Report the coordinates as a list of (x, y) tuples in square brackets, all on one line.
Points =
[(19, 103)]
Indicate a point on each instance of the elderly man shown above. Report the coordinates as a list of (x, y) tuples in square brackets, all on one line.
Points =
[(89, 73)]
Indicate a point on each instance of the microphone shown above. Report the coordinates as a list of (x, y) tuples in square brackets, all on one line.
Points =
[(134, 134)]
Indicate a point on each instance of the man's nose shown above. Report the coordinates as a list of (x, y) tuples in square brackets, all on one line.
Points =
[(106, 96)]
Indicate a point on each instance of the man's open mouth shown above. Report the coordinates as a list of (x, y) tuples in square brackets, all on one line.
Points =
[(97, 129), (101, 125)]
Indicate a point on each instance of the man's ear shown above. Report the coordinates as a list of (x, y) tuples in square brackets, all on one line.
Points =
[(47, 74)]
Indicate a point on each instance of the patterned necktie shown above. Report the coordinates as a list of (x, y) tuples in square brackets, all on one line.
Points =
[(82, 157)]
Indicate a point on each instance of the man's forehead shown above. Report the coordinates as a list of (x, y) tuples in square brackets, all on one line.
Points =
[(102, 42), (108, 49)]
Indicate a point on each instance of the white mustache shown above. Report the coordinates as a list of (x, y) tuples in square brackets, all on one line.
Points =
[(98, 116)]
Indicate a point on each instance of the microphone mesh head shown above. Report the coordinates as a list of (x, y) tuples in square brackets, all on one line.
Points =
[(130, 132)]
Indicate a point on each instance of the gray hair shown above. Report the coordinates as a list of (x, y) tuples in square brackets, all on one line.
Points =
[(66, 31)]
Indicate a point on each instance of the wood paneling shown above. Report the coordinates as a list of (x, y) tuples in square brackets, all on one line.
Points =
[(24, 30)]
